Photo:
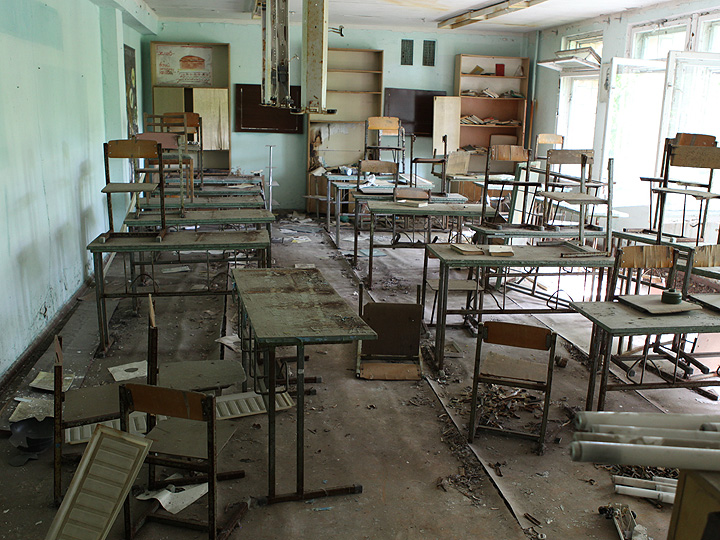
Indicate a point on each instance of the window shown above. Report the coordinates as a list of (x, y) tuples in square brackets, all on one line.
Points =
[(578, 97), (656, 41), (709, 34)]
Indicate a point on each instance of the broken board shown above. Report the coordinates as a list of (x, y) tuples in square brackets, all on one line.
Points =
[(107, 470), (653, 305), (390, 371)]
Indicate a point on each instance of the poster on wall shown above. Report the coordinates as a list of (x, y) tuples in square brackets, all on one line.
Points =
[(183, 65), (131, 91)]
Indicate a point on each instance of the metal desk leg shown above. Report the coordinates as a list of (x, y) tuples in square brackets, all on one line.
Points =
[(606, 352), (300, 399), (271, 381), (595, 351), (372, 249), (100, 299), (424, 280), (442, 315), (338, 210), (269, 250), (328, 205)]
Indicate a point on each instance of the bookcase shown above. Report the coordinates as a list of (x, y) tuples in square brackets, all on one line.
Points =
[(195, 77), (355, 91), (490, 99)]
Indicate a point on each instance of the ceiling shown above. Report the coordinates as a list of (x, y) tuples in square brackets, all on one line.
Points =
[(406, 14)]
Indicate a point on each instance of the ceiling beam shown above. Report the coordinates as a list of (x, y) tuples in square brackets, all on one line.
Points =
[(489, 12)]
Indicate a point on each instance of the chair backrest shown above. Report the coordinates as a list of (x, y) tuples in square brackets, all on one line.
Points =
[(552, 140), (706, 256), (158, 400), (700, 157), (181, 122), (377, 167), (388, 125), (570, 157), (458, 163), (502, 158), (518, 335), (645, 258), (133, 148), (168, 141)]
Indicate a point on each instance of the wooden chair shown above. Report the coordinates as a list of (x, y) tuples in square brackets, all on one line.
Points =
[(189, 439), (73, 408), (377, 127), (512, 371), (637, 271), (500, 169), (188, 124), (552, 140), (134, 149), (680, 139), (698, 157)]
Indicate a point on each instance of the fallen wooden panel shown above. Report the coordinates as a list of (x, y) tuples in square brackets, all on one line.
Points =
[(45, 380), (107, 470), (390, 371), (82, 434)]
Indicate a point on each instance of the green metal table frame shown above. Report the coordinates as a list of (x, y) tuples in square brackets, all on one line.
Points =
[(183, 241), (614, 319), (290, 307), (559, 256)]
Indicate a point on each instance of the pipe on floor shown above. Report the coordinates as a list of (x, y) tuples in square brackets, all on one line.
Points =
[(584, 419), (660, 496), (647, 456), (657, 432), (646, 440)]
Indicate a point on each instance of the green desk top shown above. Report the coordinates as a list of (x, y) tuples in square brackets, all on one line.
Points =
[(524, 256), (219, 191), (251, 201), (621, 320), (289, 305), (222, 180), (508, 231), (183, 241), (432, 209), (204, 217), (651, 238), (448, 198)]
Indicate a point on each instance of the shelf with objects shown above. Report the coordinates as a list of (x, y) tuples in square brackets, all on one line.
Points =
[(337, 141)]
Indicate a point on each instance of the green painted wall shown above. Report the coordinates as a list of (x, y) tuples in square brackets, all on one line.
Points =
[(249, 150), (51, 166)]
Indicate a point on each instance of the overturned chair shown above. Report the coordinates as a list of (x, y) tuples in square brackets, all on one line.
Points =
[(505, 370), (395, 355)]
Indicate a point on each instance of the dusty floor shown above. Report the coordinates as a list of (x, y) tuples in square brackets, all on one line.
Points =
[(397, 439)]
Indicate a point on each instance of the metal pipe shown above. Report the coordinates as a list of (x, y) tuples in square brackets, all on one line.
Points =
[(584, 419), (663, 480), (640, 483), (649, 456), (710, 426), (657, 432), (646, 440), (660, 496)]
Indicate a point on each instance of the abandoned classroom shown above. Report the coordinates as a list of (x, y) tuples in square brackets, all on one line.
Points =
[(360, 270)]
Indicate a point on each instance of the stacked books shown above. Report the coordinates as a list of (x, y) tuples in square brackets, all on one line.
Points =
[(411, 203), (486, 92), (467, 249)]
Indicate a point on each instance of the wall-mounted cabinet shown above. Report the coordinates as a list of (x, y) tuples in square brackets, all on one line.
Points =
[(195, 77), (355, 91), (490, 99)]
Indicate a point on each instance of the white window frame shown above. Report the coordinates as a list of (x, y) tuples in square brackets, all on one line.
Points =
[(689, 21), (703, 19)]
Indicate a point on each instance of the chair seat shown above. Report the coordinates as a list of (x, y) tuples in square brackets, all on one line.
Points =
[(201, 375), (187, 438), (467, 285), (93, 402), (513, 369)]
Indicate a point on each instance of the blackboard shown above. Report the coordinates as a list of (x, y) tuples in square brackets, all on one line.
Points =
[(251, 116), (414, 108)]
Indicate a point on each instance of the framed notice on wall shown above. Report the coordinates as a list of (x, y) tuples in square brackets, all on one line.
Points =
[(183, 65)]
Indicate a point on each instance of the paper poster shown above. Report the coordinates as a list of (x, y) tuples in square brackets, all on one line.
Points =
[(183, 65)]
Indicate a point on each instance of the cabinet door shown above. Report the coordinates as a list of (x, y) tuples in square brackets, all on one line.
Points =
[(168, 99), (446, 121), (212, 105)]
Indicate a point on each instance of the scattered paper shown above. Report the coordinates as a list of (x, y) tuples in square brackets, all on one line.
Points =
[(35, 408), (300, 240), (231, 341), (129, 371), (304, 265), (46, 381), (174, 499)]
